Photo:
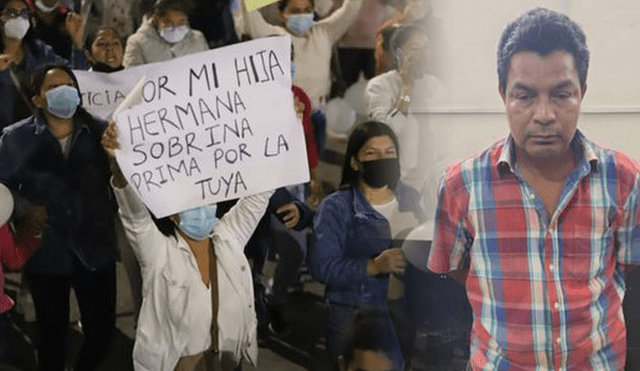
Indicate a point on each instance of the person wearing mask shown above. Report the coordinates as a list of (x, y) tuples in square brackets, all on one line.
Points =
[(21, 53), (165, 35), (354, 253), (104, 50), (15, 250), (198, 309), (50, 18), (313, 42), (392, 96), (59, 175)]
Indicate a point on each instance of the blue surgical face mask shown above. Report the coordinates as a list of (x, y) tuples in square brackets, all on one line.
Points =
[(174, 35), (198, 223), (300, 24), (62, 101), (293, 69)]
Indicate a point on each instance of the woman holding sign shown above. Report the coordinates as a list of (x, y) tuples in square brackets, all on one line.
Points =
[(197, 312), (355, 227)]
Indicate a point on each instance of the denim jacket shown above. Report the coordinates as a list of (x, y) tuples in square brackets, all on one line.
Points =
[(348, 231), (74, 189)]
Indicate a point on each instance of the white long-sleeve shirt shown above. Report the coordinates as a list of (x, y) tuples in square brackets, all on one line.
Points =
[(312, 52), (381, 95), (175, 318)]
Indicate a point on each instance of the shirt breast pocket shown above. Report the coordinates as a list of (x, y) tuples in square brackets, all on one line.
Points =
[(588, 245), (177, 297)]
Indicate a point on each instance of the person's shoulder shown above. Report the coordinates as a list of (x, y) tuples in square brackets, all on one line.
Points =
[(626, 168), (21, 127), (383, 80), (462, 172)]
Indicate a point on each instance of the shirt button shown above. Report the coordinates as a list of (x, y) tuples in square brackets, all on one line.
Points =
[(556, 305), (242, 268), (558, 340), (532, 196), (551, 267)]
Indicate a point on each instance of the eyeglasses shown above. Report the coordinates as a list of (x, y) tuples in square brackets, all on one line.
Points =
[(11, 14)]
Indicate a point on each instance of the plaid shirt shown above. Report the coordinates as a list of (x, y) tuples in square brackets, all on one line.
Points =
[(546, 290)]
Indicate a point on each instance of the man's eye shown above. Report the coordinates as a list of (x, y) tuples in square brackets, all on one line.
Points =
[(562, 95)]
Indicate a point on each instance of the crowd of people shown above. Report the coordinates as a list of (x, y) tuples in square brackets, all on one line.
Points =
[(540, 228)]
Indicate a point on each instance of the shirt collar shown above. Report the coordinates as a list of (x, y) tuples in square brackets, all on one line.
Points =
[(583, 148)]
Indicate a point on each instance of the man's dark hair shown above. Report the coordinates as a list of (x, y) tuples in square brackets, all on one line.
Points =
[(371, 330), (161, 7), (542, 31)]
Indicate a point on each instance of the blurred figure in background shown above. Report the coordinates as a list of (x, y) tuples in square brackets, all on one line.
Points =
[(392, 96), (313, 42), (16, 247), (21, 53), (52, 26), (354, 252), (104, 50), (214, 19), (356, 46), (165, 35)]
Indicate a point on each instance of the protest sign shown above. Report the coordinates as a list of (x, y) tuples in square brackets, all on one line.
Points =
[(255, 4), (103, 92), (213, 126)]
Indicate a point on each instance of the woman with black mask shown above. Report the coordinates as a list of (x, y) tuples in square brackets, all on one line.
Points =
[(104, 50), (355, 227)]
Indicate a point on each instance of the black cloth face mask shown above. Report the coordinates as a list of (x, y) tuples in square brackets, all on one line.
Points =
[(378, 173), (103, 67)]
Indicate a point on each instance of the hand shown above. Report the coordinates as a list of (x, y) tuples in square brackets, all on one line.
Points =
[(390, 261), (34, 220), (289, 214), (109, 144), (110, 139), (75, 28), (299, 107), (5, 61)]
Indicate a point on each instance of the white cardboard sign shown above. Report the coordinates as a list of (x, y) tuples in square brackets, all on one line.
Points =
[(212, 126)]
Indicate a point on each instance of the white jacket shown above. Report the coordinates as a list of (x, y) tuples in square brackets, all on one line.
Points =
[(146, 46), (167, 265), (381, 94)]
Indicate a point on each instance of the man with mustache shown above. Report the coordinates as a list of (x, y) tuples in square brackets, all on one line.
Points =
[(542, 225)]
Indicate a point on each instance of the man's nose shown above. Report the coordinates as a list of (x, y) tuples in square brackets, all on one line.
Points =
[(544, 112)]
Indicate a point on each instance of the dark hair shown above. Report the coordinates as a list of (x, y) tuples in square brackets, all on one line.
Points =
[(400, 36), (282, 5), (542, 31), (371, 329), (29, 39), (161, 7), (359, 136), (93, 35), (165, 225)]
